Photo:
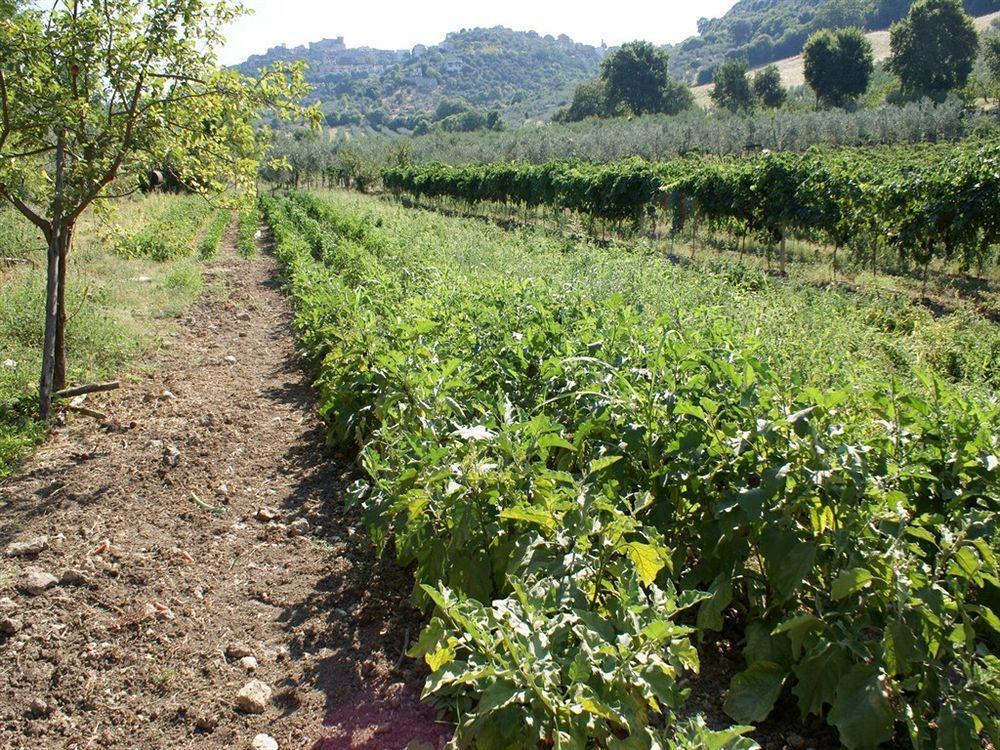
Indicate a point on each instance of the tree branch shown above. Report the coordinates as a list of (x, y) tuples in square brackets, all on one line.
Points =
[(4, 110), (31, 214)]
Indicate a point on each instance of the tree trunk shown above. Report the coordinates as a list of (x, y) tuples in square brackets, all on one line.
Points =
[(781, 254), (53, 276), (59, 375), (46, 385)]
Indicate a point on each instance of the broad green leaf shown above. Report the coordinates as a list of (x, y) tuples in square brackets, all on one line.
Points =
[(600, 464), (850, 582), (798, 629), (529, 514), (648, 560), (861, 711), (752, 692), (818, 675), (555, 441), (711, 610), (437, 659)]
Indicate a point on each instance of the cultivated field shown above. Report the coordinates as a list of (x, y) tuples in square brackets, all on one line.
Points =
[(594, 459)]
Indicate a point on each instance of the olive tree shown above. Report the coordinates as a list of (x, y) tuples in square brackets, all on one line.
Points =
[(96, 93)]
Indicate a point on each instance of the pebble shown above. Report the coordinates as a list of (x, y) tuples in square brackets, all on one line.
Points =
[(73, 577), (231, 359), (238, 651), (254, 697), (264, 742), (28, 548), (267, 514), (298, 527), (39, 707), (172, 455), (7, 603), (249, 663), (35, 581), (243, 315), (10, 625)]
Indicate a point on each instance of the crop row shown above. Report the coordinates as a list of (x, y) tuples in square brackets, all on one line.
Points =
[(171, 235), (921, 202), (566, 477)]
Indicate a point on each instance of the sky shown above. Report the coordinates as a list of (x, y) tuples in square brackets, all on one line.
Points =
[(401, 24)]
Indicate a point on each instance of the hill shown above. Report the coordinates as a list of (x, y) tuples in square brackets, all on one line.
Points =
[(520, 74), (764, 31), (793, 68)]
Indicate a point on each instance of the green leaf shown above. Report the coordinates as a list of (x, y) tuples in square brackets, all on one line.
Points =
[(710, 611), (532, 515), (792, 568), (437, 659), (753, 692), (648, 559), (861, 711), (798, 628), (818, 675), (850, 582), (555, 441), (600, 464), (957, 730)]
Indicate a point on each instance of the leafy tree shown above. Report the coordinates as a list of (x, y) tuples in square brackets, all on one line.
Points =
[(838, 65), (590, 99), (933, 48), (637, 75), (991, 58), (96, 93), (768, 89), (732, 89)]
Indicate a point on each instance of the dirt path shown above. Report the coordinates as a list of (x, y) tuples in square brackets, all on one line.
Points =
[(139, 642)]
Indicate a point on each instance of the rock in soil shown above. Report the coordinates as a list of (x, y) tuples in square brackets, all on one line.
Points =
[(73, 577), (238, 651), (267, 514), (40, 708), (264, 742), (10, 625), (29, 548), (298, 527), (35, 581), (254, 697), (248, 663)]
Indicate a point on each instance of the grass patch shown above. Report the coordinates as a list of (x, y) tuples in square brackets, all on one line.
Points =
[(115, 308)]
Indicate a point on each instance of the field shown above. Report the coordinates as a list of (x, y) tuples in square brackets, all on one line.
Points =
[(595, 460), (114, 298)]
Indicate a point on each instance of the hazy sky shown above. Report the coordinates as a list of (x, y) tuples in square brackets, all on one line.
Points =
[(395, 24)]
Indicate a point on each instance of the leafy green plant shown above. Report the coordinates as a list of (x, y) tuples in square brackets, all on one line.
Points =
[(565, 471)]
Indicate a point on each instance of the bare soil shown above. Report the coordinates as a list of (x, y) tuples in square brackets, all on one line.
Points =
[(168, 576)]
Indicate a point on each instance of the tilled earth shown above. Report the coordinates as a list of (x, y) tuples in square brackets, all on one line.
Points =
[(194, 542)]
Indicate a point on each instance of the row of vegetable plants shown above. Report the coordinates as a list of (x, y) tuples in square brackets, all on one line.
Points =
[(214, 229), (570, 480), (921, 202), (170, 235)]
